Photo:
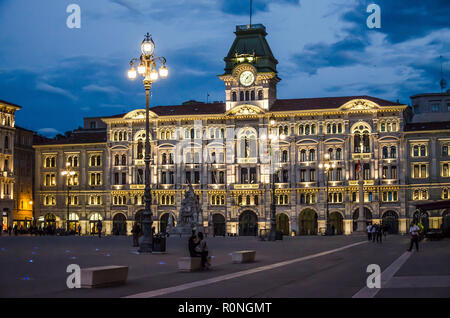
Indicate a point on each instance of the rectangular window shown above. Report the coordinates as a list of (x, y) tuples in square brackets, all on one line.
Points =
[(124, 178), (302, 175), (385, 173), (435, 108), (197, 177), (394, 172), (116, 178), (312, 175)]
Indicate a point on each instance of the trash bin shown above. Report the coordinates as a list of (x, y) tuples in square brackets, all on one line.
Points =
[(159, 243)]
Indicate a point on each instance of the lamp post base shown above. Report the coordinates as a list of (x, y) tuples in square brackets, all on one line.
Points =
[(146, 245)]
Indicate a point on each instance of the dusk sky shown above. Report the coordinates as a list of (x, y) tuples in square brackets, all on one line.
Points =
[(324, 48)]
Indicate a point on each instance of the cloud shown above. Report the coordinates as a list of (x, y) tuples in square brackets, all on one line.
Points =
[(55, 90), (48, 132), (94, 88)]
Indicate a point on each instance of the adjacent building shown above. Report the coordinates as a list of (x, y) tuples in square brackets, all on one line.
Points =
[(7, 177), (23, 178)]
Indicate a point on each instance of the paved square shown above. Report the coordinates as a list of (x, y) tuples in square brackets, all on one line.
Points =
[(305, 266)]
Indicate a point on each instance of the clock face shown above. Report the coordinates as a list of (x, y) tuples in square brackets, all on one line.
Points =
[(247, 78)]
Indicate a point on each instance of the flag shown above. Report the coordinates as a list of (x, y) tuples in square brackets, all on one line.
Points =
[(358, 166)]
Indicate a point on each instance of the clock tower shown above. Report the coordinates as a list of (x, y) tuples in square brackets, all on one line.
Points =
[(251, 69)]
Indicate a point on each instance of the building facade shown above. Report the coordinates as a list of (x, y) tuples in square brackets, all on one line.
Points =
[(7, 178), (230, 152), (24, 175)]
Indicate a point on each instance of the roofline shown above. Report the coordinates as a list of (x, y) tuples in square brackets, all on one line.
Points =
[(69, 144), (10, 104)]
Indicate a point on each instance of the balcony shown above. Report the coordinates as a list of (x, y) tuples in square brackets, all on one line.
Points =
[(361, 156), (251, 186), (366, 182)]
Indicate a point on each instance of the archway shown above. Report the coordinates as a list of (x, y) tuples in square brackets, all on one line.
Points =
[(283, 223), (119, 224), (74, 221), (93, 222), (367, 213), (219, 224), (248, 224), (390, 221), (307, 222), (50, 220), (446, 222), (164, 221), (337, 222), (424, 220)]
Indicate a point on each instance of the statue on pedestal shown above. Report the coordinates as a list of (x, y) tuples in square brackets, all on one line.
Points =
[(190, 216)]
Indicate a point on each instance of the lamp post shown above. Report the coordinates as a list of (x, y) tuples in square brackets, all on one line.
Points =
[(147, 68), (326, 167), (68, 173), (271, 139)]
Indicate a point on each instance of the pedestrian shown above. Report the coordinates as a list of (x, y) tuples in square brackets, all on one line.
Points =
[(202, 248), (414, 232), (369, 232), (9, 230), (379, 233), (192, 244), (99, 228), (16, 229), (136, 230), (373, 231), (79, 229)]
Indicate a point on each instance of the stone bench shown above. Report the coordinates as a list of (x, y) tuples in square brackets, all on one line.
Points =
[(190, 264), (243, 256), (103, 276)]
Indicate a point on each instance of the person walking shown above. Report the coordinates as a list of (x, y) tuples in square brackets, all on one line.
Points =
[(79, 229), (373, 231), (9, 230), (414, 232), (202, 249), (16, 229), (379, 233), (136, 230), (369, 231), (99, 228)]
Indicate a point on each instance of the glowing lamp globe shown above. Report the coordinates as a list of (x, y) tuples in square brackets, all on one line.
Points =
[(164, 71), (147, 47), (154, 75), (132, 74), (141, 69)]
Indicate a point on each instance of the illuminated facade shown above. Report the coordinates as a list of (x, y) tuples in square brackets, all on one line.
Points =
[(222, 149), (7, 178)]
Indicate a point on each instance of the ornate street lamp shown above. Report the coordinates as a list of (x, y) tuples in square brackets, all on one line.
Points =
[(326, 167), (146, 67), (68, 173)]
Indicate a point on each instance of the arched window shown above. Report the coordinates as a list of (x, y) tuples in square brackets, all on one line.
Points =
[(47, 162), (300, 130), (338, 154), (124, 160), (312, 155), (260, 95), (422, 151), (339, 128), (313, 129), (241, 96), (306, 129), (330, 153), (252, 95), (385, 152), (329, 129), (247, 95), (303, 155), (334, 129), (284, 157), (393, 152), (416, 151), (234, 96), (164, 159), (140, 150), (366, 142)]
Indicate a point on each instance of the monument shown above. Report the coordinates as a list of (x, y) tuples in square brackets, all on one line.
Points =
[(190, 217)]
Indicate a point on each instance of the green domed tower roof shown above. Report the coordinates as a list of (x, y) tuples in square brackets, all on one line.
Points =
[(251, 45)]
